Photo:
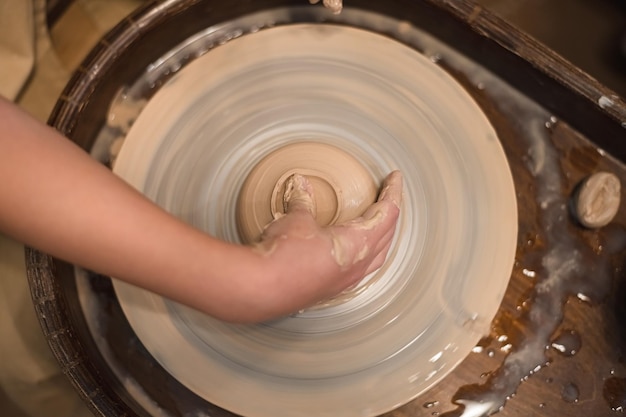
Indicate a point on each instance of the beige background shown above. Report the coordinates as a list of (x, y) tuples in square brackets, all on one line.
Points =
[(35, 65)]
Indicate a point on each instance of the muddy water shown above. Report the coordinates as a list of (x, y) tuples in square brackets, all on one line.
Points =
[(560, 267), (561, 270)]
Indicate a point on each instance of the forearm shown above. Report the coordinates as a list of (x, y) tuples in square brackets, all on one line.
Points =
[(53, 196)]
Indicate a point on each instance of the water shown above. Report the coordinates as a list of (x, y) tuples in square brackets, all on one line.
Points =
[(570, 393), (431, 404), (567, 343), (614, 392), (556, 261), (562, 268)]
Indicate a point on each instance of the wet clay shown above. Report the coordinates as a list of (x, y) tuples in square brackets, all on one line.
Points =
[(341, 256), (299, 192), (334, 6), (342, 188), (312, 88), (598, 199)]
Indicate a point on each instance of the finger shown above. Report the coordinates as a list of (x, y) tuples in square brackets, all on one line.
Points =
[(381, 251), (392, 189), (389, 201), (384, 240), (380, 259), (354, 245), (375, 264), (298, 195)]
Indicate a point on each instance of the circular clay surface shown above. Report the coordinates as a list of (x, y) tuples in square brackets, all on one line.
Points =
[(383, 105), (342, 187)]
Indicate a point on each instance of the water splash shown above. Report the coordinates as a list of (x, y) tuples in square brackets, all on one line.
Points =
[(567, 343), (570, 393), (560, 269), (614, 392)]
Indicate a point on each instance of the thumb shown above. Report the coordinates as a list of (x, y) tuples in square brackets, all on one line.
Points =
[(298, 195)]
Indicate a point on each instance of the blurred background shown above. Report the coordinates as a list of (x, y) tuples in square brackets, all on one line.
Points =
[(589, 33)]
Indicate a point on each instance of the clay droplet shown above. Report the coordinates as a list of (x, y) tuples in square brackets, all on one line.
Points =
[(431, 404), (570, 393), (334, 6), (614, 393), (114, 149), (567, 343)]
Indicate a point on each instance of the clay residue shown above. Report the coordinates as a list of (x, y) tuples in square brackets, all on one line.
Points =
[(340, 252), (371, 223), (562, 268), (365, 250), (123, 111), (338, 185), (299, 193), (392, 184), (598, 200), (334, 6)]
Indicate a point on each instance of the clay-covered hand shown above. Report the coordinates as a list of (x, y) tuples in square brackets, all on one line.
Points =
[(320, 262)]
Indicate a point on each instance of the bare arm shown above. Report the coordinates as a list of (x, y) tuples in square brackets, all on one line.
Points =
[(54, 197)]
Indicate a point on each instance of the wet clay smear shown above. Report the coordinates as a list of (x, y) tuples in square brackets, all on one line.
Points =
[(560, 264), (560, 267)]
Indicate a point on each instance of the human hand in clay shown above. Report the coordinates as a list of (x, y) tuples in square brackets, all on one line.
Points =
[(339, 255), (56, 198)]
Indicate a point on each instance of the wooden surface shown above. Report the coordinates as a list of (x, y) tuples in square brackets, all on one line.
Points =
[(582, 126), (599, 322), (558, 23)]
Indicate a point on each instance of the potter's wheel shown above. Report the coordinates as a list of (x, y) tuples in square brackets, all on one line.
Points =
[(387, 106)]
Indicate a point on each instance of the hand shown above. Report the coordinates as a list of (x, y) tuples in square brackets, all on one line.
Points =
[(320, 262), (48, 206)]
